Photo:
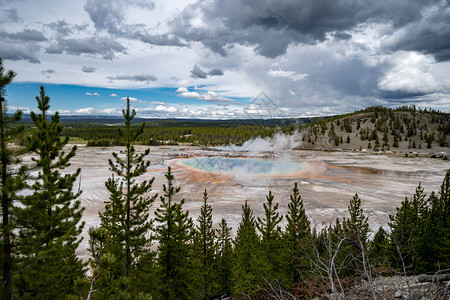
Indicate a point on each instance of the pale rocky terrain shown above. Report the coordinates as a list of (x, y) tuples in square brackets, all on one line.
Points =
[(327, 182)]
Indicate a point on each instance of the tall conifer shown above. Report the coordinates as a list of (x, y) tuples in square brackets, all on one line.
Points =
[(204, 245), (270, 232), (11, 182), (51, 214), (297, 228), (225, 259), (126, 215), (247, 264), (174, 234)]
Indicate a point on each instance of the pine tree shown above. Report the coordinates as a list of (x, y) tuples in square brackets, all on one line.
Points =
[(378, 248), (356, 230), (297, 228), (12, 182), (270, 232), (126, 215), (174, 234), (247, 264), (51, 214), (224, 259), (436, 236), (204, 245)]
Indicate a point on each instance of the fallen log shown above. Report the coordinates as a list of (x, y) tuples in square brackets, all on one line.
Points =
[(433, 278)]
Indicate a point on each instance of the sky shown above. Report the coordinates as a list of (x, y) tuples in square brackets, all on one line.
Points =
[(225, 59)]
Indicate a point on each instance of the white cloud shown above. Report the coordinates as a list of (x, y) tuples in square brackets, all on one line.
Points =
[(409, 73), (85, 111), (181, 90), (163, 108), (287, 74), (210, 96), (157, 103), (92, 94), (113, 95)]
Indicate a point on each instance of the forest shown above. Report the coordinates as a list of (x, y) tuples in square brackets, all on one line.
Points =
[(168, 255)]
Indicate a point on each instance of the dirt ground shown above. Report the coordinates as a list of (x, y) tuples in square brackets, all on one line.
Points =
[(327, 182)]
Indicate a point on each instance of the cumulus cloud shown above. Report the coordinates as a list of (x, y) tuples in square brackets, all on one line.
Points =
[(165, 108), (181, 90), (87, 111), (409, 75), (113, 95), (92, 94), (88, 69), (136, 78)]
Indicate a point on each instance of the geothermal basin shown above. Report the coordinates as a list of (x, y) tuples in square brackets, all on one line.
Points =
[(243, 166), (327, 181)]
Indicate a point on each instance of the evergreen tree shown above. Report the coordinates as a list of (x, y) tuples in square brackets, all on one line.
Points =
[(12, 181), (436, 236), (51, 214), (270, 232), (174, 234), (247, 254), (356, 230), (378, 248), (204, 245), (297, 228), (407, 230), (224, 259), (126, 215)]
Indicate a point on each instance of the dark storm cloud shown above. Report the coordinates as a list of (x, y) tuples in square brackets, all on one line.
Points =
[(94, 46), (109, 16), (136, 78), (430, 36), (88, 69), (197, 72), (271, 26), (18, 52)]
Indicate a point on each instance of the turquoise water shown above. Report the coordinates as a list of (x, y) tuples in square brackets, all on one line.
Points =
[(241, 166)]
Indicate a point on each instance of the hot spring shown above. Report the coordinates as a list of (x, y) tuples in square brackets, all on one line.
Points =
[(241, 166)]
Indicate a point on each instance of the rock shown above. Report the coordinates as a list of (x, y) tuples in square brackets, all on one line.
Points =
[(398, 294)]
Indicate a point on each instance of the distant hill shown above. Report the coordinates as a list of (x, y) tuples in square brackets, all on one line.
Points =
[(153, 122), (381, 129)]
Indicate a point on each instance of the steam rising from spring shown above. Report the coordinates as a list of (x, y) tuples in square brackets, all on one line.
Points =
[(279, 142)]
